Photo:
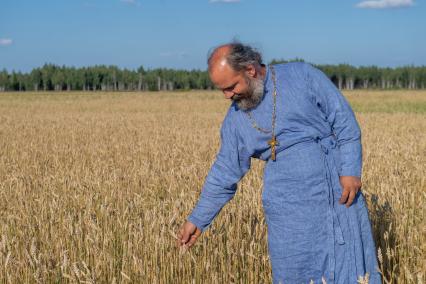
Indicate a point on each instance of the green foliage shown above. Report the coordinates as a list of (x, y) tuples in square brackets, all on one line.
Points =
[(279, 61), (52, 77)]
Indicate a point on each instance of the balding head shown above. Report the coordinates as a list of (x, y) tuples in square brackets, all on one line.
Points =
[(237, 55), (219, 67), (219, 56)]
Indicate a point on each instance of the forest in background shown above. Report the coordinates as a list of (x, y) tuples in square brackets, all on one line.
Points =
[(51, 77)]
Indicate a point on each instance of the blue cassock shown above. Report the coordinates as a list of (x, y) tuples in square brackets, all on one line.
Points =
[(310, 235)]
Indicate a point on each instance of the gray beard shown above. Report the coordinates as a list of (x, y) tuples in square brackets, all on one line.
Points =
[(253, 96)]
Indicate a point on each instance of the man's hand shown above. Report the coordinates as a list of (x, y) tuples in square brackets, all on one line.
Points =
[(188, 234), (350, 186)]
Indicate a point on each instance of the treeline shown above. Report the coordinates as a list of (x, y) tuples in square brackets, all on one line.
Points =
[(52, 77), (346, 76)]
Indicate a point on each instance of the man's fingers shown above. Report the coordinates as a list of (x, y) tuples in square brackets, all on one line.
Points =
[(344, 196), (192, 240), (183, 236), (351, 197), (351, 186), (187, 234), (194, 237)]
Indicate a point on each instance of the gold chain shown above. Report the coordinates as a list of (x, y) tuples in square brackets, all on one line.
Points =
[(273, 142), (253, 122)]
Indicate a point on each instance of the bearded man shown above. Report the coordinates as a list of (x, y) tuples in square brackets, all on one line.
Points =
[(292, 117)]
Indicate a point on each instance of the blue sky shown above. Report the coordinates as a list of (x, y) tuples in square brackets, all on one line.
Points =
[(178, 34)]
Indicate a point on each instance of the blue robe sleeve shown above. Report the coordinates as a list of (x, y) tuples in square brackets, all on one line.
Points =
[(231, 164), (341, 118)]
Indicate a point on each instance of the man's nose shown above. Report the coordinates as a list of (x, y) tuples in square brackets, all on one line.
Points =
[(228, 94)]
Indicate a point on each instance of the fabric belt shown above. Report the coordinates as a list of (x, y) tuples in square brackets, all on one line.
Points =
[(327, 144)]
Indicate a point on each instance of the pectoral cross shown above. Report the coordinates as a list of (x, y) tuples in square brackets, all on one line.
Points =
[(273, 142)]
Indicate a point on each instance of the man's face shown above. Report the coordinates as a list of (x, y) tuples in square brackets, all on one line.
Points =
[(245, 90)]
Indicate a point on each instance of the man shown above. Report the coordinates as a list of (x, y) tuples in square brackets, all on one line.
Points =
[(294, 118)]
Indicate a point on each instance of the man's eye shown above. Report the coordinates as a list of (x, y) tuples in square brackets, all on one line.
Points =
[(230, 88)]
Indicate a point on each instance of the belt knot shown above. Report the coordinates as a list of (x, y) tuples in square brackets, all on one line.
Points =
[(326, 142)]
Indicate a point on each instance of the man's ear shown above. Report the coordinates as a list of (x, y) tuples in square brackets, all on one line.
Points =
[(250, 71)]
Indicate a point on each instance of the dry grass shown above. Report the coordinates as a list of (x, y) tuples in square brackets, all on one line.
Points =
[(94, 186)]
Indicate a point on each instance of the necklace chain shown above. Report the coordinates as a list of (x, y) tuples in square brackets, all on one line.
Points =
[(253, 122), (273, 142)]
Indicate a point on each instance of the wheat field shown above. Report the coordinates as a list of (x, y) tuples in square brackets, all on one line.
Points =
[(94, 186)]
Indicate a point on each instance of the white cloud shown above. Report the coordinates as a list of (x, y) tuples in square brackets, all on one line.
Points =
[(5, 41), (384, 4), (225, 1)]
